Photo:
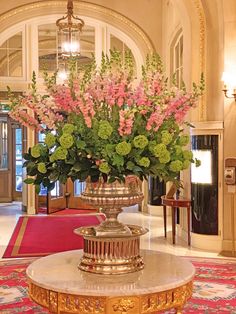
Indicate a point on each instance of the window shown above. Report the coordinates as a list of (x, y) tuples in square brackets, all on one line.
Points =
[(11, 57), (18, 159), (177, 59), (3, 144)]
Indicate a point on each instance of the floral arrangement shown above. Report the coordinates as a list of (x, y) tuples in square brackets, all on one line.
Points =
[(106, 123)]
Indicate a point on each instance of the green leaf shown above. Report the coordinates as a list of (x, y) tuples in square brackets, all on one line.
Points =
[(54, 175), (29, 181), (37, 188), (117, 160), (51, 186), (27, 156), (80, 144), (137, 169), (111, 179), (77, 166), (130, 165)]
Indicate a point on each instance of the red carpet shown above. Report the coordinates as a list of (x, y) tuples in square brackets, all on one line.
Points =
[(214, 288), (43, 235)]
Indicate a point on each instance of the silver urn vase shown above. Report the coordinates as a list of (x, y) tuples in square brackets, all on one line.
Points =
[(112, 247)]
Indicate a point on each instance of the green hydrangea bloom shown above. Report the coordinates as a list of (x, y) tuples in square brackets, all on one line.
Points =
[(187, 154), (59, 154), (166, 137), (159, 150), (50, 140), (42, 167), (140, 141), (164, 158), (66, 140), (144, 162), (104, 130), (68, 128), (178, 149), (186, 164), (176, 165), (183, 140), (104, 167), (36, 150), (123, 148), (151, 146)]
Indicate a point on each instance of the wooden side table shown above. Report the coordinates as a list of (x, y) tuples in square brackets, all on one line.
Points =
[(175, 203)]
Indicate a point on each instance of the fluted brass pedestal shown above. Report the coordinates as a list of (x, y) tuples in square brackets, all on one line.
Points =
[(112, 247)]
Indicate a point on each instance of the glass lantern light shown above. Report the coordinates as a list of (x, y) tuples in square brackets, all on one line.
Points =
[(69, 29)]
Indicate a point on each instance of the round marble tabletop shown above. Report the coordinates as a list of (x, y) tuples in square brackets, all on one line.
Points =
[(56, 283)]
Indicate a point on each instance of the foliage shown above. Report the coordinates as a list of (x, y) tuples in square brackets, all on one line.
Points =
[(106, 123)]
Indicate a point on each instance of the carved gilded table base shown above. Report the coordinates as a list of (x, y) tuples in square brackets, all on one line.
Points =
[(56, 283), (63, 303)]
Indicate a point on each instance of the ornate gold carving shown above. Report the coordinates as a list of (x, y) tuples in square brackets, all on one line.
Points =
[(174, 298), (202, 50), (123, 305), (53, 302), (39, 295), (81, 304), (58, 302)]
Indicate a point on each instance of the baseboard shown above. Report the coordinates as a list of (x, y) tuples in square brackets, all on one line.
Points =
[(227, 245), (212, 243)]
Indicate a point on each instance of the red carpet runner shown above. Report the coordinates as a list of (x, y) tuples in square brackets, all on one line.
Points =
[(44, 235), (214, 288)]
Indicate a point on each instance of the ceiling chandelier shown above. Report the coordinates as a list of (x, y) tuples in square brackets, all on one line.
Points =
[(70, 27)]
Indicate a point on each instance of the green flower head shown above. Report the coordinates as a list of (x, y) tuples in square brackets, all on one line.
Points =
[(50, 140), (151, 146), (42, 167), (123, 148), (166, 137), (144, 162), (68, 128), (187, 154), (140, 141), (66, 140), (186, 164), (183, 140), (36, 150), (176, 165), (59, 154), (164, 158), (104, 130), (104, 167), (178, 149), (159, 150)]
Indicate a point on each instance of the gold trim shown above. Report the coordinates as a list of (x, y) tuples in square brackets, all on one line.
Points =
[(20, 236), (58, 302), (202, 52)]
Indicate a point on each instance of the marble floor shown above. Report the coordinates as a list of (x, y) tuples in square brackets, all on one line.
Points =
[(153, 240)]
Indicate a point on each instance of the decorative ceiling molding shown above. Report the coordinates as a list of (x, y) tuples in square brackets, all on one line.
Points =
[(98, 12)]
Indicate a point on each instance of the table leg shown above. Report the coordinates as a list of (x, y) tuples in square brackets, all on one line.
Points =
[(188, 213), (173, 224), (164, 215)]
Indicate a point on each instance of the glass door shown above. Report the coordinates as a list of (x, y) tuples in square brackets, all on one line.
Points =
[(17, 163)]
